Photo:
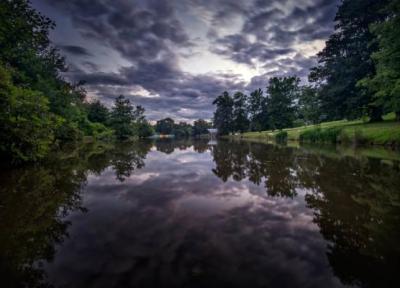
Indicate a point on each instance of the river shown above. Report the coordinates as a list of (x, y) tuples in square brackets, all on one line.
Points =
[(202, 214)]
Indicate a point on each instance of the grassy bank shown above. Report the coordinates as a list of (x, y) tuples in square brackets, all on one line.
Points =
[(385, 133)]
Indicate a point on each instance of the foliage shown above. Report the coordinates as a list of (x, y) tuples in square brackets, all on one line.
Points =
[(182, 130), (165, 126), (257, 111), (385, 84), (240, 119), (309, 106), (223, 116), (330, 135), (346, 59), (97, 112), (26, 124), (122, 117), (282, 93), (200, 127), (144, 129)]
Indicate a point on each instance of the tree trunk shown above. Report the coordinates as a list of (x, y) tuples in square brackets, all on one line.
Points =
[(397, 115), (375, 114)]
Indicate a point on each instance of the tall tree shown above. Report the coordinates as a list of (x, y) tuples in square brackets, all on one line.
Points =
[(385, 84), (223, 116), (240, 117), (282, 93), (309, 105), (346, 59), (257, 111), (122, 117)]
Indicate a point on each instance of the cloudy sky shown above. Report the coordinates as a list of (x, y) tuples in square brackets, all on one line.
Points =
[(175, 56)]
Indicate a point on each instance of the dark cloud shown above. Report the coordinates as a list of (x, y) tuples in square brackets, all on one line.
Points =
[(276, 27), (75, 50), (153, 37), (136, 31), (240, 49)]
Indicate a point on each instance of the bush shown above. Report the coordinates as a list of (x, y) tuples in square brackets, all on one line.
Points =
[(144, 130), (281, 136), (329, 135)]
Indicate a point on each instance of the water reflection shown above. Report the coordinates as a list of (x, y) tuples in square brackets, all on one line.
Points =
[(198, 214)]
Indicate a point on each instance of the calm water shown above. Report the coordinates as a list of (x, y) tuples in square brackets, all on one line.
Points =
[(198, 214)]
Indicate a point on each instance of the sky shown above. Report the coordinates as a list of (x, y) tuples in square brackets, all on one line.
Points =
[(174, 57)]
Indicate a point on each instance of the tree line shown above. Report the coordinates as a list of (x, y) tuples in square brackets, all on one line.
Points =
[(357, 75), (182, 129)]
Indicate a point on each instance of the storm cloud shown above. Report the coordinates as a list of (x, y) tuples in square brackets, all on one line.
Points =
[(175, 57)]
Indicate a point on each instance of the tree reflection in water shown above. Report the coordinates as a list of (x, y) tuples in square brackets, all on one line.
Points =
[(355, 201), (34, 202)]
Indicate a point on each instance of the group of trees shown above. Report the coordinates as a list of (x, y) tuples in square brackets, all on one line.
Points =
[(358, 74), (39, 109), (284, 103), (125, 119), (168, 126)]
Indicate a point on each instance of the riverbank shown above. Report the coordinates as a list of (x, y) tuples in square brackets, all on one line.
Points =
[(386, 133)]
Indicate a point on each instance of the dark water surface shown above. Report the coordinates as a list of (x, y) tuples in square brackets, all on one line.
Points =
[(199, 214)]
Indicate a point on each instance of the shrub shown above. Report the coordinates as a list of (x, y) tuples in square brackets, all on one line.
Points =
[(330, 135)]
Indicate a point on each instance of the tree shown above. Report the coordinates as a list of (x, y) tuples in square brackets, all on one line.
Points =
[(200, 127), (240, 118), (165, 126), (145, 129), (223, 116), (282, 93), (97, 112), (182, 130), (309, 106), (385, 84), (346, 59), (121, 118), (26, 124), (257, 111)]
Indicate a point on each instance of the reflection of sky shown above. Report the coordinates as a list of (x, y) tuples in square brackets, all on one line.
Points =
[(175, 223)]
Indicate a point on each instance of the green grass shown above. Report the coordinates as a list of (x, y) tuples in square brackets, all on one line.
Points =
[(358, 132)]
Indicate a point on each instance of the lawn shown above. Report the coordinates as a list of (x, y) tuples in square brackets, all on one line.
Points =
[(382, 133)]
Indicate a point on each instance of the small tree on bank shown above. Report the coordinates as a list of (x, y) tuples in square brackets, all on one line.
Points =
[(122, 117)]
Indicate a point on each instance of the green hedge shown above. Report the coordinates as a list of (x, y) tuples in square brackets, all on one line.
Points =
[(330, 135)]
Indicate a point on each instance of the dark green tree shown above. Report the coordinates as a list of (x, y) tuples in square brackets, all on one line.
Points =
[(182, 130), (122, 117), (200, 127), (144, 129), (223, 116), (240, 117), (165, 126), (282, 93), (257, 111), (346, 60), (97, 112), (309, 105), (385, 84)]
